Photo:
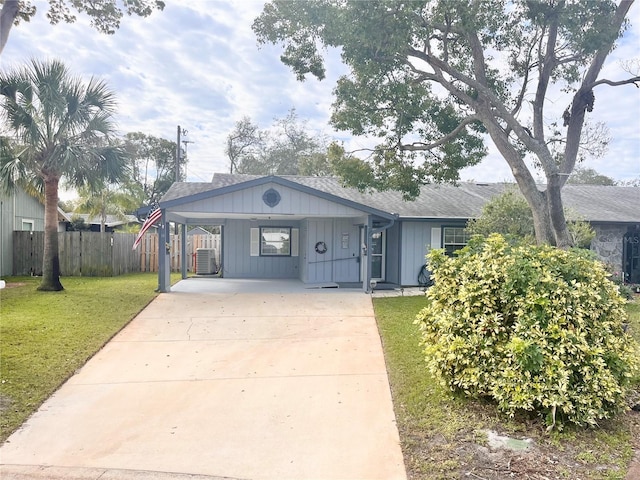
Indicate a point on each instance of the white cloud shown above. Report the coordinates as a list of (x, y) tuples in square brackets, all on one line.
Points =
[(197, 64)]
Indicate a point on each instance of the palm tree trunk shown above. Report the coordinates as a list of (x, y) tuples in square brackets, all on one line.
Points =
[(51, 261)]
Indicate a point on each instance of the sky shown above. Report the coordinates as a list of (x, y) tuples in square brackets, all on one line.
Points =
[(197, 64)]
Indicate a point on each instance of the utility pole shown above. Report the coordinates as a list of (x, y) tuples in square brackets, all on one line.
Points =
[(181, 131)]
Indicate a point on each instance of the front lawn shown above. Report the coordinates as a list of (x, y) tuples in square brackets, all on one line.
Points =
[(46, 336), (445, 437)]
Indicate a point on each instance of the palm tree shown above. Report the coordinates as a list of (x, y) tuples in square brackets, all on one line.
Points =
[(64, 127), (106, 200)]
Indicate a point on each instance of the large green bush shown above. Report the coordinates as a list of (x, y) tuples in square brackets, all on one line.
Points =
[(533, 327)]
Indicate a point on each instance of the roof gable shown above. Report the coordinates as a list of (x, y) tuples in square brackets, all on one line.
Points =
[(245, 195)]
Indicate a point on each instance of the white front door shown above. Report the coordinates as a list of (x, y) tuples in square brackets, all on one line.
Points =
[(378, 249)]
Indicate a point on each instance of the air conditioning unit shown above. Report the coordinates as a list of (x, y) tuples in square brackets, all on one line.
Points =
[(206, 261)]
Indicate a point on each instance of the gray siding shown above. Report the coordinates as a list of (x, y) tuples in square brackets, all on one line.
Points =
[(304, 268), (415, 243), (320, 266), (6, 235), (393, 254), (338, 264), (13, 210), (237, 261), (292, 202), (346, 267)]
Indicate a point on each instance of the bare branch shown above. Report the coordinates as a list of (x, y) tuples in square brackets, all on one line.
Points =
[(581, 98), (634, 80), (544, 77)]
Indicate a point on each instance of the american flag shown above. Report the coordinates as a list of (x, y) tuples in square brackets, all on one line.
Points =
[(153, 216)]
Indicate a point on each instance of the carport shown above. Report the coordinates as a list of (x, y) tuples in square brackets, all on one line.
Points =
[(276, 228)]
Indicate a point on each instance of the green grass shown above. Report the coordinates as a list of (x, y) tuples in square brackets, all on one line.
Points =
[(442, 435), (46, 336)]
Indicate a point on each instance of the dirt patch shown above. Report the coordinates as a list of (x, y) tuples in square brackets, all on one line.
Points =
[(15, 284), (5, 403), (468, 456)]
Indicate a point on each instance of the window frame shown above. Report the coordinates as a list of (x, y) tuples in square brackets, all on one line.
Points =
[(30, 222), (263, 243), (456, 245)]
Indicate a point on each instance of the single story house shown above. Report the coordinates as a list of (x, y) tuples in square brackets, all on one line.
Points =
[(318, 231), (112, 223)]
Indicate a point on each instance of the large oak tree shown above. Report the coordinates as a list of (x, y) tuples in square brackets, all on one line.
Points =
[(105, 15), (432, 79)]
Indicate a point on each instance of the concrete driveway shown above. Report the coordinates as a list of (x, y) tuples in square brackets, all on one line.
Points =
[(254, 383)]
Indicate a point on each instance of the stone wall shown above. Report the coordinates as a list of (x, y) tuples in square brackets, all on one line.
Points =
[(608, 245)]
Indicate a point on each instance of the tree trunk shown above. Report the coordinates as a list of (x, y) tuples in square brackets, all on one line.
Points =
[(542, 224), (556, 213), (536, 199), (51, 260), (8, 14)]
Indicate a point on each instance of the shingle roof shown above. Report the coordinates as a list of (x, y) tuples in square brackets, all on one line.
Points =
[(593, 202)]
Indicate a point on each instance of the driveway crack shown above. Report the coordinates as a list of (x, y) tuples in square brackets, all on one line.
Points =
[(189, 329)]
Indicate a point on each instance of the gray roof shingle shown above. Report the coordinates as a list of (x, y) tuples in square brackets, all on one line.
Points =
[(610, 204)]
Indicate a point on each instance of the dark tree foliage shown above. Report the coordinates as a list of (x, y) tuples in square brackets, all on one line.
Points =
[(432, 80)]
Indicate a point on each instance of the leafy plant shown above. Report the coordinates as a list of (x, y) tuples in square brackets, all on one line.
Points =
[(535, 328), (509, 214)]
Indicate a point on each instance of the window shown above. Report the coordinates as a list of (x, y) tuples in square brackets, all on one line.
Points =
[(27, 225), (275, 241), (454, 238)]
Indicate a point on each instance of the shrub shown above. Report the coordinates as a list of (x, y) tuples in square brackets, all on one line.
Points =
[(509, 214), (533, 327)]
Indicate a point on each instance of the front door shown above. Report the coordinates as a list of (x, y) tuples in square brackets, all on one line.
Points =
[(378, 249)]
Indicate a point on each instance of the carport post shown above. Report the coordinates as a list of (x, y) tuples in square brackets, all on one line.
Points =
[(183, 251), (164, 257), (367, 276)]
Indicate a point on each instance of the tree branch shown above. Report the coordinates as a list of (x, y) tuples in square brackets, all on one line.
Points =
[(580, 99), (498, 110), (546, 68), (633, 80), (420, 146)]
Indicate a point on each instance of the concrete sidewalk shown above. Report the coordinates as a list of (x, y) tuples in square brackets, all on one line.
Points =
[(233, 385)]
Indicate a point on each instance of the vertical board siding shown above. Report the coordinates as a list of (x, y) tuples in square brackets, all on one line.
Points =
[(320, 265), (346, 267), (304, 251), (13, 209), (415, 242), (28, 208), (237, 259), (291, 202), (393, 254), (6, 235)]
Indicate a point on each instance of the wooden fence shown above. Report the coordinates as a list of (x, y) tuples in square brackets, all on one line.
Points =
[(95, 254)]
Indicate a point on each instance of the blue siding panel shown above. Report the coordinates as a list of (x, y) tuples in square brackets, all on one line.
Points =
[(237, 261), (415, 243), (292, 202)]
